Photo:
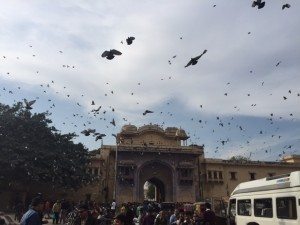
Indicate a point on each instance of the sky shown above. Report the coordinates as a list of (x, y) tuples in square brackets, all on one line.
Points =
[(231, 101)]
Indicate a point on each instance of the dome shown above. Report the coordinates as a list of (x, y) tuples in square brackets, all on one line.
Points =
[(150, 128), (129, 129), (180, 134), (171, 131)]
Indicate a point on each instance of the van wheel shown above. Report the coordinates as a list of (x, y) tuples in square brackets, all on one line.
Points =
[(252, 223)]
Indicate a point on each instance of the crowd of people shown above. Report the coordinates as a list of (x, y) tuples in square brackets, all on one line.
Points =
[(91, 213)]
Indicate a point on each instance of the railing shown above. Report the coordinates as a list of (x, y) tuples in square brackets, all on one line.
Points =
[(171, 149)]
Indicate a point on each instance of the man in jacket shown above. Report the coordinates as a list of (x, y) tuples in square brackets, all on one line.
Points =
[(32, 217)]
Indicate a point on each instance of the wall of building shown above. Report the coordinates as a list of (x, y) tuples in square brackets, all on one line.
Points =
[(216, 187)]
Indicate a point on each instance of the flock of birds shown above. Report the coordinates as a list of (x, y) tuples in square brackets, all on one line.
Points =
[(220, 122)]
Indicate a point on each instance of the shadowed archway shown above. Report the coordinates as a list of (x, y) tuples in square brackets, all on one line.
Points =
[(159, 174)]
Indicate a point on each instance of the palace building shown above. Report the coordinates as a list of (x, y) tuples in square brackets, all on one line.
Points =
[(179, 172), (151, 154)]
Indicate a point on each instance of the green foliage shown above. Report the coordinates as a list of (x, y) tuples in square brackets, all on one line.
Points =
[(151, 191), (33, 151), (239, 158)]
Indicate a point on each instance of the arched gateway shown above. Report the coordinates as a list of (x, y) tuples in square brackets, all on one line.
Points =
[(160, 156), (161, 175)]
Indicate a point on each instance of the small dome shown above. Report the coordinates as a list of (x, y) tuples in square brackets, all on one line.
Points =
[(171, 131), (180, 134), (150, 128), (129, 129)]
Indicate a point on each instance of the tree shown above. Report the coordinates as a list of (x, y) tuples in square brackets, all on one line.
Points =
[(151, 191), (32, 151), (239, 159)]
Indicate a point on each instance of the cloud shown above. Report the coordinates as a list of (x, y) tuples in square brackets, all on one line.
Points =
[(84, 29)]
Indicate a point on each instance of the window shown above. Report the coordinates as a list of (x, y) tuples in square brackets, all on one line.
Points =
[(244, 207), (263, 207), (232, 175), (252, 176), (209, 175), (220, 175), (232, 208), (286, 208), (184, 173), (215, 175)]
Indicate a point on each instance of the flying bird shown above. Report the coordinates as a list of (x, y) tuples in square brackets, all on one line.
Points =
[(113, 122), (111, 54), (87, 132), (258, 3), (286, 6), (29, 104), (277, 64), (146, 112), (194, 61), (99, 136), (129, 40)]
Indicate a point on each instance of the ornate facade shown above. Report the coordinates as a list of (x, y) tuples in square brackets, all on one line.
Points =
[(180, 173), (150, 153)]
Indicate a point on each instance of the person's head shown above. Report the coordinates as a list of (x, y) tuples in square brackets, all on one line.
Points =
[(207, 205), (161, 214), (176, 212), (123, 209), (37, 204)]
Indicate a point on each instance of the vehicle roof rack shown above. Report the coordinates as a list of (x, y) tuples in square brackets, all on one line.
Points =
[(278, 176)]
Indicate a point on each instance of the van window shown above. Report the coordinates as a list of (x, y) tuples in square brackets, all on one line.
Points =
[(263, 207), (286, 208), (244, 207), (232, 208)]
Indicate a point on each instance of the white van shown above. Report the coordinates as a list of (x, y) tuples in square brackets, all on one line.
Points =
[(268, 201)]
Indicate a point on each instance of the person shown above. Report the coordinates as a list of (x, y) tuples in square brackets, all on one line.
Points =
[(56, 210), (209, 216), (120, 219), (113, 207), (18, 211), (161, 219), (47, 209), (173, 217), (196, 219), (64, 211), (142, 215), (187, 220), (149, 218), (32, 216)]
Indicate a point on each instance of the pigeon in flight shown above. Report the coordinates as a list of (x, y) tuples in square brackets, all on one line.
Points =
[(99, 136), (29, 104), (111, 54), (286, 6), (146, 112), (129, 40), (88, 132), (258, 3), (194, 61), (113, 122)]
